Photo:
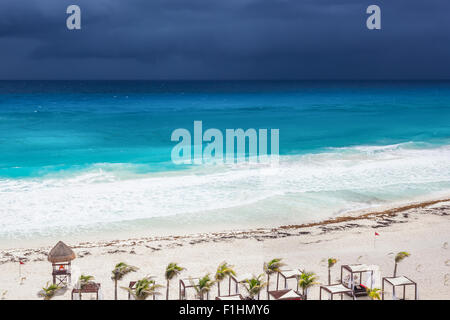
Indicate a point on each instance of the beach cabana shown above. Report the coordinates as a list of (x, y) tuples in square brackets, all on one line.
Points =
[(401, 281), (236, 280), (286, 294), (336, 289), (61, 256), (232, 297), (286, 275), (355, 274), (90, 287), (188, 283)]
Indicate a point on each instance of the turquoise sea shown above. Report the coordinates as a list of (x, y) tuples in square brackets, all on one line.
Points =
[(92, 156)]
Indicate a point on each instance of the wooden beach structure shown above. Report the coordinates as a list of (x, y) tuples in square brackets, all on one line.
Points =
[(61, 256), (356, 271), (90, 287), (286, 275), (234, 281), (188, 283), (401, 281), (335, 289), (285, 294)]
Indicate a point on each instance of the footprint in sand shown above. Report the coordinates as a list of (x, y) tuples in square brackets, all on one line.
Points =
[(419, 268), (4, 294), (447, 263), (445, 245), (447, 280)]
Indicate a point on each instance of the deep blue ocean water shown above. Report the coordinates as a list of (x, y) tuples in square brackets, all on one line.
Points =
[(100, 151)]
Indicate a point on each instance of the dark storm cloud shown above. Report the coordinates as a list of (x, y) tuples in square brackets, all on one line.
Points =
[(211, 39)]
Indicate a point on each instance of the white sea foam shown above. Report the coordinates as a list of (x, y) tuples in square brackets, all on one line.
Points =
[(300, 188)]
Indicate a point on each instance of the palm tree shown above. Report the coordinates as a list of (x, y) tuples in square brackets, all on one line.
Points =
[(84, 280), (120, 270), (374, 293), (49, 291), (271, 267), (203, 286), (331, 263), (306, 281), (398, 258), (223, 270), (254, 286), (172, 271), (144, 288)]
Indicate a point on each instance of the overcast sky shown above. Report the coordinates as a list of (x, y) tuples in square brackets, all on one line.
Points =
[(228, 39)]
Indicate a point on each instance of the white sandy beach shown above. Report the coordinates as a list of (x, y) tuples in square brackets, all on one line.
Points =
[(422, 230)]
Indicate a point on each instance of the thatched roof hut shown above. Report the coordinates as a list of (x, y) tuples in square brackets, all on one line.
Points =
[(61, 253)]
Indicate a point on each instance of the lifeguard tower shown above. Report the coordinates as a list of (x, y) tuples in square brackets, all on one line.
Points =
[(60, 256)]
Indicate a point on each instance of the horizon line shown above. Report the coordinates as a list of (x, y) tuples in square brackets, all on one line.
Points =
[(236, 80)]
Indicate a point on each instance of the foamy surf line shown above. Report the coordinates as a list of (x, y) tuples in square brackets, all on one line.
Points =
[(359, 220), (301, 189)]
